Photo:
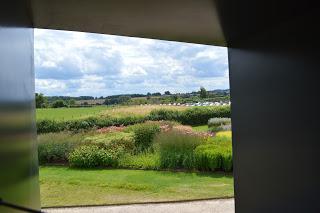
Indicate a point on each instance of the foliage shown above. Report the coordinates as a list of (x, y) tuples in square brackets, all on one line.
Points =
[(203, 92), (218, 121), (227, 134), (191, 116), (115, 141), (59, 104), (200, 115), (176, 149), (143, 135), (41, 101), (164, 114), (78, 125), (90, 156), (212, 157), (216, 154), (45, 126), (219, 124), (140, 161), (55, 147), (113, 100), (220, 128)]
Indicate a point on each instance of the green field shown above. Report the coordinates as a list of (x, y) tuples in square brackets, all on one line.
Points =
[(69, 113), (83, 112), (61, 186)]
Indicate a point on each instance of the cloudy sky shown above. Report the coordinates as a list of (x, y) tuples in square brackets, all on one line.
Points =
[(75, 64)]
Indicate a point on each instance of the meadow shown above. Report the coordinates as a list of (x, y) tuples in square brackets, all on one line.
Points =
[(102, 111)]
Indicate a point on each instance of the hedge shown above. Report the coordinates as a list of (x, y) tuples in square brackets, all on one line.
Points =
[(47, 126), (191, 116)]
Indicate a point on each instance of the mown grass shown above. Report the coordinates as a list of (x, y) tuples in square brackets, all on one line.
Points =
[(62, 186), (69, 113), (202, 128)]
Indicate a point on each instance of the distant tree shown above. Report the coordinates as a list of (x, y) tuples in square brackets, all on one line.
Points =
[(101, 97), (174, 97), (113, 100), (167, 93), (156, 94), (71, 102), (203, 92), (41, 101), (59, 104), (148, 94), (124, 99)]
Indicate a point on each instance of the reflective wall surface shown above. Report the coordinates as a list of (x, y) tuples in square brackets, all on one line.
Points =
[(18, 152)]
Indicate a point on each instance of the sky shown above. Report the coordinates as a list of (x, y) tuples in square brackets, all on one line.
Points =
[(80, 64)]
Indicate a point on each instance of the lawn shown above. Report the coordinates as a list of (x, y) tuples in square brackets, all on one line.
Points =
[(202, 128), (62, 186), (69, 113)]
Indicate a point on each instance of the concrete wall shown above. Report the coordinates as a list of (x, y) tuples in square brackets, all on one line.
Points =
[(18, 153)]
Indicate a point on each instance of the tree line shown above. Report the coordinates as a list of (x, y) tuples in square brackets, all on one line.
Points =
[(134, 99)]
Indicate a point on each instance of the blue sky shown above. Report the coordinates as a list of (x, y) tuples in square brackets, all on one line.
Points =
[(75, 64)]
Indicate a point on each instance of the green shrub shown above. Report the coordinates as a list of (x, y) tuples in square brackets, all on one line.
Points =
[(59, 104), (79, 125), (143, 135), (208, 157), (46, 126), (140, 161), (55, 147), (176, 149), (114, 141), (220, 128), (218, 121), (90, 156), (219, 124), (227, 162), (213, 156)]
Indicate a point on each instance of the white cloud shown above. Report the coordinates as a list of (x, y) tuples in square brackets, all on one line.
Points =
[(74, 63)]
